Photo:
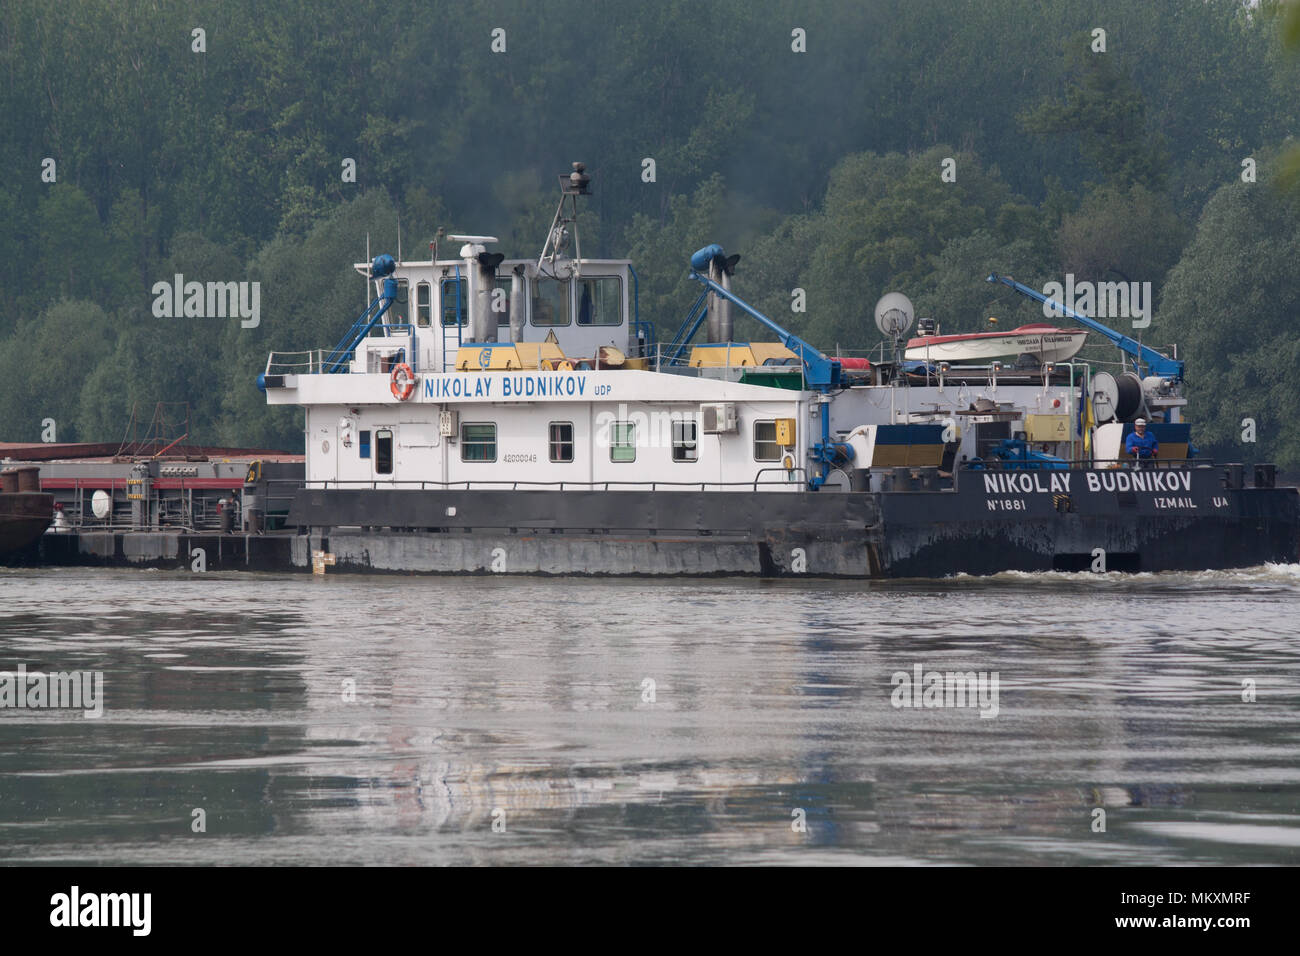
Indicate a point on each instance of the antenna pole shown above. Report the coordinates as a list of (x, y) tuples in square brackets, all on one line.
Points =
[(571, 186)]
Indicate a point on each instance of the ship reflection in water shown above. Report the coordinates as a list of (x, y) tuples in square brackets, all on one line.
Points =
[(692, 721)]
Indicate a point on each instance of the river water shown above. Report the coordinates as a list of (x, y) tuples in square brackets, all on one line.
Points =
[(405, 720)]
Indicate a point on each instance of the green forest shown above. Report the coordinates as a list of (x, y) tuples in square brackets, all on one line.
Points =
[(1114, 141)]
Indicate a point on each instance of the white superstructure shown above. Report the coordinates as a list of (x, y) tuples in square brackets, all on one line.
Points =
[(484, 372)]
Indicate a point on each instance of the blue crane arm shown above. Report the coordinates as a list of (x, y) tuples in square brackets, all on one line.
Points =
[(382, 268), (337, 360), (822, 373), (694, 319), (1156, 362)]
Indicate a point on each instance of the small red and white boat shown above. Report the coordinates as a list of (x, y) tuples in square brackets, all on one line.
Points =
[(1045, 342)]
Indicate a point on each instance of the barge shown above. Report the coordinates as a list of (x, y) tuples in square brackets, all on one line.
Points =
[(25, 512)]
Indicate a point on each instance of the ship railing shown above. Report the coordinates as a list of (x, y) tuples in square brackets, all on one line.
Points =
[(320, 361), (296, 363), (668, 355), (782, 482), (176, 509), (1086, 464), (665, 355), (877, 355)]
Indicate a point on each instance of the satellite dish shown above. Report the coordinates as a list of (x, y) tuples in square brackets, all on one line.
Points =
[(894, 314), (1105, 396), (101, 503)]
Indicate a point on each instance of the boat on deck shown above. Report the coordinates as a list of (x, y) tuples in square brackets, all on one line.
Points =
[(1040, 342)]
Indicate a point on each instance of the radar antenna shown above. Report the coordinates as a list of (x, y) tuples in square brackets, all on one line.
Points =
[(575, 184)]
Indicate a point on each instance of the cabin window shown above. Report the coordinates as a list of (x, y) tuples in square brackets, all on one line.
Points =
[(685, 446), (423, 305), (455, 306), (501, 302), (478, 441), (383, 452), (765, 446), (622, 445), (550, 303), (600, 301), (561, 441), (363, 443), (403, 301)]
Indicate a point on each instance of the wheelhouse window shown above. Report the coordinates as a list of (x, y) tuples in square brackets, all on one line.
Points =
[(560, 441), (423, 305), (383, 452), (455, 302), (622, 445), (600, 301), (363, 444), (478, 441), (398, 312), (685, 445), (765, 446), (550, 303)]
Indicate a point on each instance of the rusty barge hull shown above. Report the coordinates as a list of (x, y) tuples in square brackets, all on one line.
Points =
[(24, 516)]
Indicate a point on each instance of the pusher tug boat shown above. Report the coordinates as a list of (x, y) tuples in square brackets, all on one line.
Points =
[(524, 418)]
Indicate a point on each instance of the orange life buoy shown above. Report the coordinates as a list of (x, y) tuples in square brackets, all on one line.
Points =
[(402, 381)]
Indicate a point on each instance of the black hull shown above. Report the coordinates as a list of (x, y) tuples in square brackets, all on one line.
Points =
[(998, 522), (994, 523), (1200, 527)]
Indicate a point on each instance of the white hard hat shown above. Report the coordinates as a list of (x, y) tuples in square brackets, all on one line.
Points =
[(1140, 421)]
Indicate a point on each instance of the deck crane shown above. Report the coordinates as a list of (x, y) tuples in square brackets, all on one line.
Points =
[(821, 373), (1156, 363)]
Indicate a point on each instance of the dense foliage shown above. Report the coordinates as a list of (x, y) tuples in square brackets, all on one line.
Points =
[(822, 168)]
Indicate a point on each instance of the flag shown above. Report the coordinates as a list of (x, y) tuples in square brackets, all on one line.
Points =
[(1088, 424)]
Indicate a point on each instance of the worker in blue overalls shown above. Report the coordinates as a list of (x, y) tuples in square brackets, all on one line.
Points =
[(1141, 444)]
